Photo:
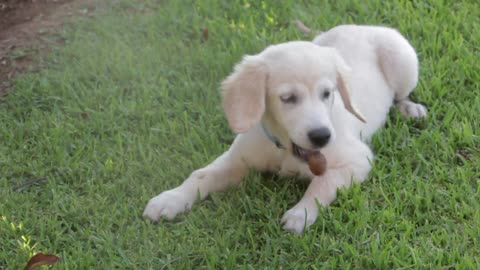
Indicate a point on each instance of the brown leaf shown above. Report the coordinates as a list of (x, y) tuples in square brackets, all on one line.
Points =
[(317, 163), (302, 27), (41, 259), (205, 34), (463, 153)]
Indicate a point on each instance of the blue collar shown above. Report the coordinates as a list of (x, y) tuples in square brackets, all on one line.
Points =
[(272, 138)]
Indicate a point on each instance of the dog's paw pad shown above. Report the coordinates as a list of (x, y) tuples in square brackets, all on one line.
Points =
[(166, 205), (412, 109)]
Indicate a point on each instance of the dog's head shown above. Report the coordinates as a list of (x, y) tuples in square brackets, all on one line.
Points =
[(290, 87)]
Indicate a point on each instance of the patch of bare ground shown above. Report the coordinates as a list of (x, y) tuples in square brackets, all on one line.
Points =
[(24, 28)]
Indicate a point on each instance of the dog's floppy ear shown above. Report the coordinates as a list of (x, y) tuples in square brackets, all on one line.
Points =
[(244, 93), (343, 71)]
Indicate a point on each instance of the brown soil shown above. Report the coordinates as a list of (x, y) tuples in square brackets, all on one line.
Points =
[(24, 26)]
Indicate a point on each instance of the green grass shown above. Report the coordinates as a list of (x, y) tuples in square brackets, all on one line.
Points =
[(130, 106)]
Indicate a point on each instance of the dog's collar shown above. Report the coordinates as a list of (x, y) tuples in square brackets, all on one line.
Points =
[(272, 138)]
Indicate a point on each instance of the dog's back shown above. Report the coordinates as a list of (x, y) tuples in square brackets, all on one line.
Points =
[(384, 67)]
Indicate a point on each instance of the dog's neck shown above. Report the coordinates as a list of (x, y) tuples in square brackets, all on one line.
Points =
[(272, 137)]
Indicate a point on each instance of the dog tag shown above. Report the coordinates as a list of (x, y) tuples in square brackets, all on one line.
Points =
[(317, 163)]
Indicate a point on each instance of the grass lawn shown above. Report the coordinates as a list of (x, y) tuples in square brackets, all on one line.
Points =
[(130, 107)]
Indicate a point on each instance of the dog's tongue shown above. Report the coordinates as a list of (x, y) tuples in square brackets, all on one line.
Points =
[(316, 162)]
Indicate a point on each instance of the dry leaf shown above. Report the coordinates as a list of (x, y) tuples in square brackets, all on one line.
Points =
[(302, 27), (85, 115), (463, 153), (41, 259), (317, 163), (205, 34)]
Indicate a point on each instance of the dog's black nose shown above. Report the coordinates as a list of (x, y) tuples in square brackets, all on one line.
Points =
[(320, 136)]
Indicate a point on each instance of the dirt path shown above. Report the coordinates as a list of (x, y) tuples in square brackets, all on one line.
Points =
[(24, 26)]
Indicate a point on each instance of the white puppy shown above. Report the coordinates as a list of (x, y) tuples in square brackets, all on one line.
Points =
[(299, 97)]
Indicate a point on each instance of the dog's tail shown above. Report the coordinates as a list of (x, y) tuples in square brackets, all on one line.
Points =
[(304, 29)]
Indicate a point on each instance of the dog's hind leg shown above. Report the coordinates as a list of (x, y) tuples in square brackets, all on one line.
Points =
[(410, 108), (399, 64)]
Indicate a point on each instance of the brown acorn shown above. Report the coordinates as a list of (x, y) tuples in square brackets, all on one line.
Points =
[(317, 163)]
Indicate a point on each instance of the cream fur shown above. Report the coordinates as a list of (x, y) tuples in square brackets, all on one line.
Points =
[(375, 65)]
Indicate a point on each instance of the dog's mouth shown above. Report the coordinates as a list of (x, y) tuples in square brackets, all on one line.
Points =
[(302, 153)]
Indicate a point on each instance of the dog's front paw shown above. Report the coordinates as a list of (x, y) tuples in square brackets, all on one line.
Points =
[(412, 109), (299, 218), (167, 205)]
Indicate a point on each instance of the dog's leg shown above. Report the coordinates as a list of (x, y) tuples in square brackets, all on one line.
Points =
[(411, 109), (323, 189), (226, 170), (399, 65)]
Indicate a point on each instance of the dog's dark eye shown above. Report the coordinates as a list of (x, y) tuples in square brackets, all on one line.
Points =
[(292, 99), (326, 94)]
